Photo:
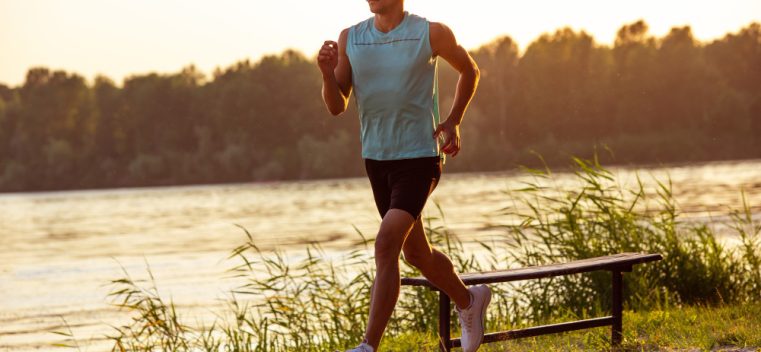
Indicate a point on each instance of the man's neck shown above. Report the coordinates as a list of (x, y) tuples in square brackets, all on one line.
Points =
[(386, 22)]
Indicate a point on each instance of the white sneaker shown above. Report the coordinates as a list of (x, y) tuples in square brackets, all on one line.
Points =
[(473, 319), (363, 347)]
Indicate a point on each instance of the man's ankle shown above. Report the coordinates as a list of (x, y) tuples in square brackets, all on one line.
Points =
[(470, 303), (368, 343)]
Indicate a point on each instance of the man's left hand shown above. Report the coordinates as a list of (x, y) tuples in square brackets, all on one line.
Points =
[(451, 132)]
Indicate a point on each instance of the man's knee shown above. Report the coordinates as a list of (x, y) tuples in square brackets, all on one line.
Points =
[(387, 247), (394, 228)]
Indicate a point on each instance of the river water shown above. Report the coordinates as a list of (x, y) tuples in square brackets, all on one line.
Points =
[(61, 249)]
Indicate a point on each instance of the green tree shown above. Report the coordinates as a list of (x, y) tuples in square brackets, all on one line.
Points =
[(492, 122), (633, 80), (564, 79), (55, 107), (737, 60), (682, 84)]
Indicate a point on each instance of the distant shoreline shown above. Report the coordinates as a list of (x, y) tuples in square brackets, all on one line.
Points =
[(191, 186)]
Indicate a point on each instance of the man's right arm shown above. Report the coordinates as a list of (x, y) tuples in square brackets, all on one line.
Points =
[(336, 74)]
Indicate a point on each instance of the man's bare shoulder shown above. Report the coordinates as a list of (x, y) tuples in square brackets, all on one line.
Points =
[(343, 38), (442, 37), (439, 29)]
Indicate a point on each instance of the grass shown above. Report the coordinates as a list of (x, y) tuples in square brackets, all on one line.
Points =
[(309, 302), (690, 328)]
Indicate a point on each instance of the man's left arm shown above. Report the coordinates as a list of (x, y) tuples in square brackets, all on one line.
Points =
[(444, 44)]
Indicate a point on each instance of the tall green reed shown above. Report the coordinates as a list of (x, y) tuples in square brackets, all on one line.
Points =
[(155, 323), (599, 216)]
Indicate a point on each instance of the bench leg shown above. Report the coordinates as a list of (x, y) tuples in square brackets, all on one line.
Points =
[(617, 309), (445, 342)]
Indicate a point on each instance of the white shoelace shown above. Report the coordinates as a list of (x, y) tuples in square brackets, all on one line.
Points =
[(467, 324)]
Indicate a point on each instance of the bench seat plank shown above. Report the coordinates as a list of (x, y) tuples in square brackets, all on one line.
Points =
[(621, 261)]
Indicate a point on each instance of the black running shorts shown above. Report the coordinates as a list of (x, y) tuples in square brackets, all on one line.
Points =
[(403, 184)]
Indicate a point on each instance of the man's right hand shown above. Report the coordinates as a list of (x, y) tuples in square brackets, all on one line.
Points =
[(336, 74), (327, 59)]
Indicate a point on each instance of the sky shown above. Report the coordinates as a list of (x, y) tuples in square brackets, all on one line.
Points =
[(118, 38)]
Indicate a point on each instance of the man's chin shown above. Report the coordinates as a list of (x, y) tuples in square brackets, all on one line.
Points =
[(374, 7)]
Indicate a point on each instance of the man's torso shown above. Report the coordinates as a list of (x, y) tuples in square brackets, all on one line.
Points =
[(394, 79)]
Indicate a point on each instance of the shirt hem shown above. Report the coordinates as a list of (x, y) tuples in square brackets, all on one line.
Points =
[(400, 156)]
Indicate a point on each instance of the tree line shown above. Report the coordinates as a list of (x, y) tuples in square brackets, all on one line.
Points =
[(643, 99)]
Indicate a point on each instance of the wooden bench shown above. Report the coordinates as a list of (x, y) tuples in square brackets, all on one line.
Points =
[(617, 264)]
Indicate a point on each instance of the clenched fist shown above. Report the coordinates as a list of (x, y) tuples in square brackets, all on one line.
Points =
[(327, 59)]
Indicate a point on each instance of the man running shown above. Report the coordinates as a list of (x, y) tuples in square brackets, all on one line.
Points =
[(390, 60)]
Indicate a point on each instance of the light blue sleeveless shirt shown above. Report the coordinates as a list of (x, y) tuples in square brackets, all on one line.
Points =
[(396, 89)]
